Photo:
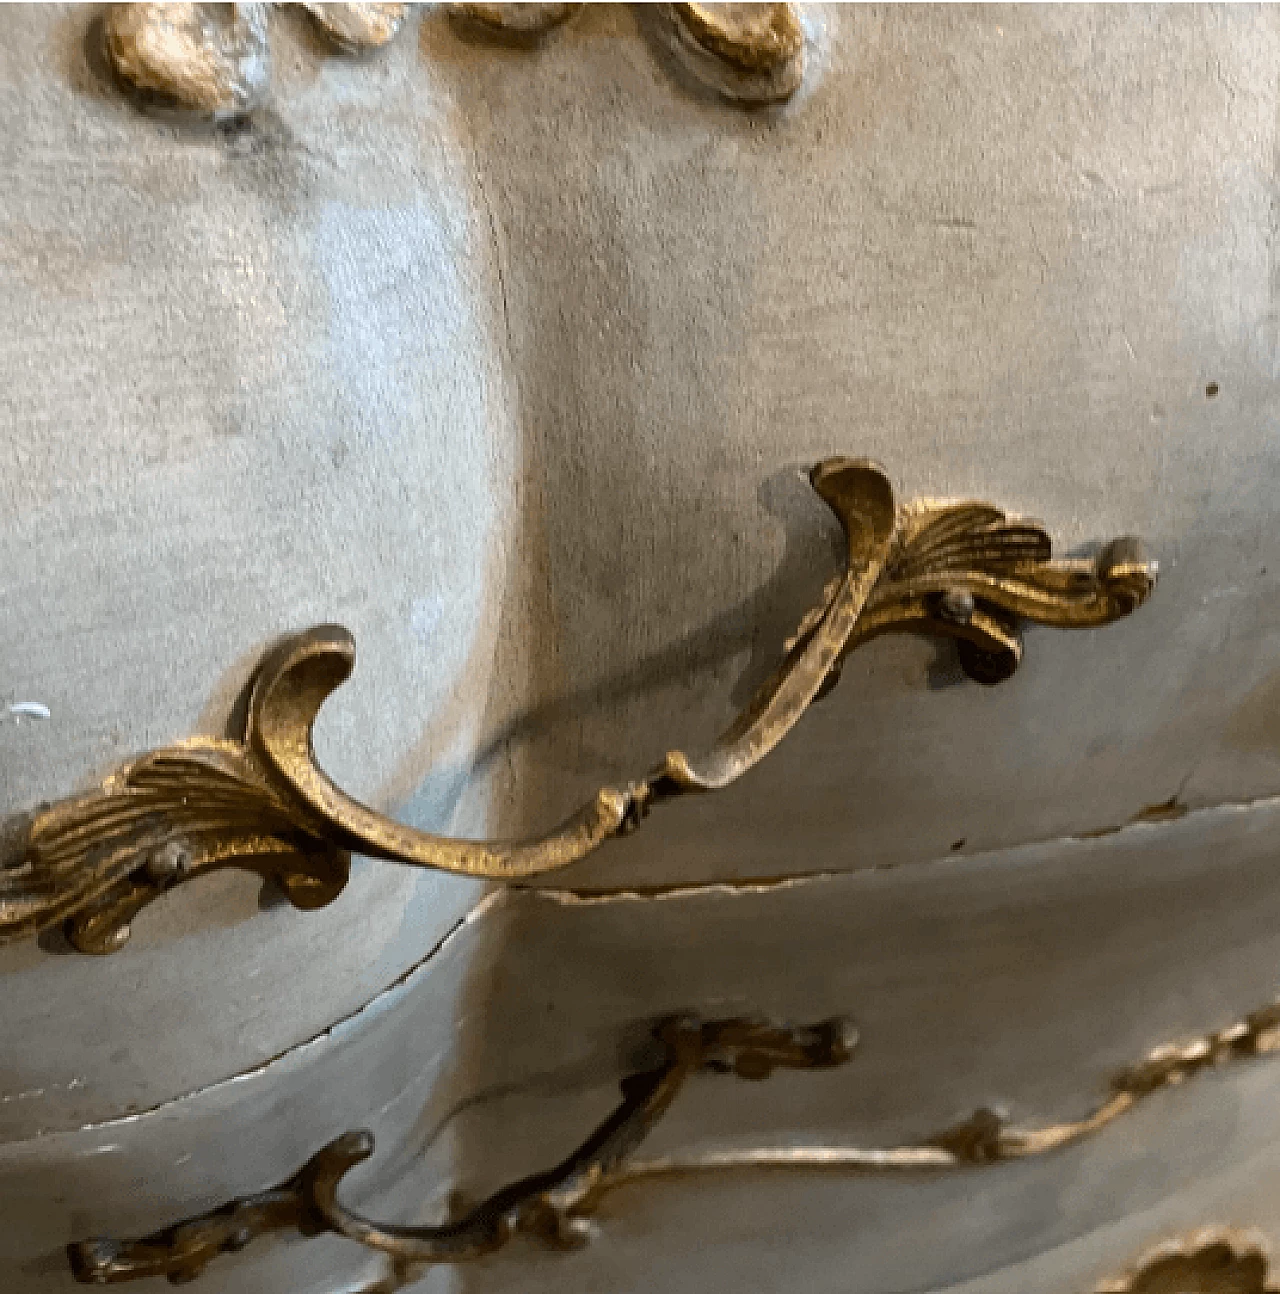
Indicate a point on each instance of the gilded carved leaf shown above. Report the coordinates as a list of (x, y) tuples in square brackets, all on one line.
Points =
[(968, 537), (1213, 1261), (209, 59), (357, 28), (264, 804), (214, 60), (753, 53), (162, 819)]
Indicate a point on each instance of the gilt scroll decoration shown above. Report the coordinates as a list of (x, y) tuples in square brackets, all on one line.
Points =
[(551, 1206), (263, 804), (213, 61), (556, 1207)]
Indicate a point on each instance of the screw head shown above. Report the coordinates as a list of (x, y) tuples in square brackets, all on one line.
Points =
[(170, 862), (957, 606)]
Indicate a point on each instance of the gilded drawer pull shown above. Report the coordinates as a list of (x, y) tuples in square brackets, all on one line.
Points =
[(551, 1206), (264, 804), (556, 1206)]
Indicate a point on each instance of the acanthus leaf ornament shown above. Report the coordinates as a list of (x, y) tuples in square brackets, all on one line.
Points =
[(968, 571), (96, 860), (214, 60), (264, 804)]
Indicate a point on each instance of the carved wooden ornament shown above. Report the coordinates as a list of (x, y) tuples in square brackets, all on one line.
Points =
[(214, 60)]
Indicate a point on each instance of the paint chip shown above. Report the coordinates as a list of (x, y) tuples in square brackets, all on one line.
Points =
[(29, 710)]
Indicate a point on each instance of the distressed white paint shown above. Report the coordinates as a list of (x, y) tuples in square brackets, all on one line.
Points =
[(248, 388), (29, 710), (1022, 980), (510, 362)]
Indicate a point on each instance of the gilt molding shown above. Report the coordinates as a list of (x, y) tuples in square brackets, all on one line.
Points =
[(214, 60), (264, 804)]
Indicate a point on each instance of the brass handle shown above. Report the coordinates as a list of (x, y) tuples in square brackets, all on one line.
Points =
[(264, 803), (556, 1206), (552, 1205)]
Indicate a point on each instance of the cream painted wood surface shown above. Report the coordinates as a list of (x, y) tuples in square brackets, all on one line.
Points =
[(509, 360), (1023, 980)]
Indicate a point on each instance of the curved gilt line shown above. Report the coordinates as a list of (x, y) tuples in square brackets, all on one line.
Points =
[(985, 1138), (556, 1205), (545, 1205), (283, 707), (265, 804), (1211, 1260)]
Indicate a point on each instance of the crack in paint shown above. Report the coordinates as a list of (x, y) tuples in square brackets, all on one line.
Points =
[(901, 1156), (1152, 817), (32, 1092), (985, 1137), (398, 986)]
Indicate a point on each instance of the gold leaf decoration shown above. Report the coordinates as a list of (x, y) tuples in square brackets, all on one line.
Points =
[(547, 1206), (210, 59), (214, 60), (517, 24), (358, 28), (752, 53), (264, 804)]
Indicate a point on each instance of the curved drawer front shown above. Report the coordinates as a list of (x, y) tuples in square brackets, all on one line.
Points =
[(509, 348)]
